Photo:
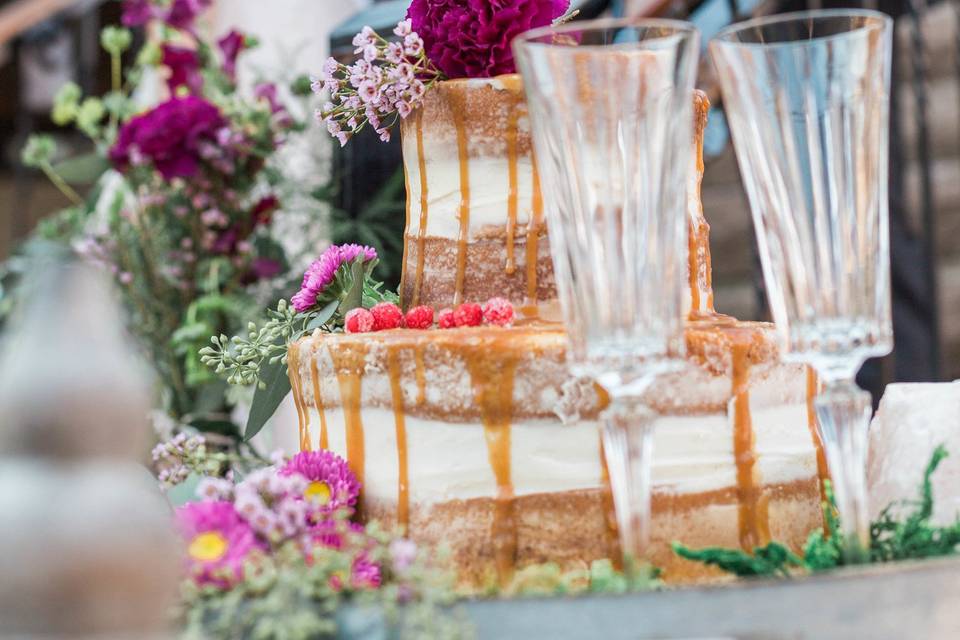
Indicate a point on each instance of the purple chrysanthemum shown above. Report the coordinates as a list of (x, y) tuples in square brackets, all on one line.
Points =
[(366, 574), (219, 542), (331, 485), (322, 272), (471, 38)]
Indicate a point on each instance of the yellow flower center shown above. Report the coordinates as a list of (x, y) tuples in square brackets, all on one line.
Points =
[(318, 492), (208, 547)]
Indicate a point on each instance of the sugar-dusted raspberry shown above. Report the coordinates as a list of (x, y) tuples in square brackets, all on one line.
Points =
[(419, 317), (469, 314), (445, 319), (358, 320), (386, 315), (498, 311)]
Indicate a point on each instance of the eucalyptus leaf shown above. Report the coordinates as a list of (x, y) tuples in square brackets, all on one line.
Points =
[(323, 316), (267, 399), (354, 295), (83, 169)]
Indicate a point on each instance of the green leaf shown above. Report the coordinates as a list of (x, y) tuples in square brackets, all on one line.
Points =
[(83, 169), (323, 316), (267, 399), (354, 295)]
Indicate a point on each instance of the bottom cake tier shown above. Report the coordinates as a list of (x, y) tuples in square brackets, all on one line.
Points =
[(480, 441)]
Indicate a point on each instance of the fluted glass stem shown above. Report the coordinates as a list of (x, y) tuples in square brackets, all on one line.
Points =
[(628, 446), (843, 413)]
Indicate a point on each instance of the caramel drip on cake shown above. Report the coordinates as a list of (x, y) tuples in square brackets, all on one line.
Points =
[(751, 510), (609, 512), (533, 238), (403, 474), (513, 198), (458, 105), (303, 416), (349, 364), (420, 370), (318, 402), (493, 385), (422, 230), (823, 472)]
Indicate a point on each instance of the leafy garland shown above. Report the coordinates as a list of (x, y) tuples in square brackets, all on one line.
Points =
[(912, 537)]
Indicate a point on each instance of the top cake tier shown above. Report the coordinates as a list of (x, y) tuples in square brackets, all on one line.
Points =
[(475, 226)]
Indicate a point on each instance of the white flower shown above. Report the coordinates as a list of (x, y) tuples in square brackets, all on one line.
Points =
[(403, 108), (403, 28), (333, 126), (413, 45), (370, 52), (394, 52), (330, 67), (405, 71), (343, 137), (384, 134), (368, 91), (366, 36)]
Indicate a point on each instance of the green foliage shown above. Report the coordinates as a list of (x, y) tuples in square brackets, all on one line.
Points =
[(891, 538), (89, 115), (38, 151), (549, 579), (66, 104), (115, 40)]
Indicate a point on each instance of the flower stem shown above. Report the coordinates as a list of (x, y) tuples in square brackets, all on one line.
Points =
[(61, 184)]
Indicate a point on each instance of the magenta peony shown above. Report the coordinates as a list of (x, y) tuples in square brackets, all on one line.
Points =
[(184, 65), (183, 13), (471, 38), (331, 484), (137, 12), (169, 136), (219, 542)]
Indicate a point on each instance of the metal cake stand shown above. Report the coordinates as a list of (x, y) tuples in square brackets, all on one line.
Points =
[(903, 601)]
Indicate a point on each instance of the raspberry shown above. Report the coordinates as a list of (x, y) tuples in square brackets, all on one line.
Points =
[(469, 314), (420, 317), (498, 311), (445, 319), (386, 315), (358, 320)]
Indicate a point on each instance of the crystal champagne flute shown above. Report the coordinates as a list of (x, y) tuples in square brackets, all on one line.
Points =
[(807, 98), (610, 108)]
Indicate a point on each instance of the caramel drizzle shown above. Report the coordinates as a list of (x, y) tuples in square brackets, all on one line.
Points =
[(318, 402), (458, 104), (493, 387), (533, 235), (303, 416), (349, 365), (422, 230), (823, 471), (420, 371), (609, 512), (513, 196), (403, 474), (751, 508)]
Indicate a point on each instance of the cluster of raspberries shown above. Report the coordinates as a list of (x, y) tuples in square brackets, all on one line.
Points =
[(386, 315)]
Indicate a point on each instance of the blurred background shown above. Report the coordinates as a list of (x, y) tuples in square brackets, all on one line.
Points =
[(357, 193)]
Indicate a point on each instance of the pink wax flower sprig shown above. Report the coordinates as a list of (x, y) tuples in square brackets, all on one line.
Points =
[(385, 85)]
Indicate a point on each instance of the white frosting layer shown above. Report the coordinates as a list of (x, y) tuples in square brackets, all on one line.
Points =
[(693, 454)]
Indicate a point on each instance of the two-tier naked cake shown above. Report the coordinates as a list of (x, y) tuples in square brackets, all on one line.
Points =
[(479, 439)]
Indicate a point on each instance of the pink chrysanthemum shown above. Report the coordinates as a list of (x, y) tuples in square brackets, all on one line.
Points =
[(218, 541), (321, 273), (331, 484)]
